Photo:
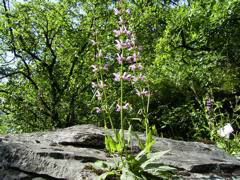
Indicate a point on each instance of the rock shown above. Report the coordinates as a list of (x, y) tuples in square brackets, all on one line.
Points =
[(68, 154)]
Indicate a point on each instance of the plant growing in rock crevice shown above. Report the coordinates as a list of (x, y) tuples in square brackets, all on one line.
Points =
[(126, 76)]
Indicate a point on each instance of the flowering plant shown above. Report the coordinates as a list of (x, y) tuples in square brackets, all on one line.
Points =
[(126, 73)]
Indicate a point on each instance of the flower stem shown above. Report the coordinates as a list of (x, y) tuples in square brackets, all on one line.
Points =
[(121, 110)]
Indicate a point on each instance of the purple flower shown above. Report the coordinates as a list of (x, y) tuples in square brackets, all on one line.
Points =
[(128, 11), (99, 54), (142, 93), (135, 57), (118, 108), (101, 85), (117, 76), (93, 42), (140, 67), (121, 21), (134, 79), (98, 110), (119, 44), (126, 76), (132, 67), (129, 59), (95, 68), (119, 32), (128, 44), (126, 106), (141, 77), (127, 32), (98, 95), (105, 67), (94, 85), (209, 103), (120, 58), (116, 11)]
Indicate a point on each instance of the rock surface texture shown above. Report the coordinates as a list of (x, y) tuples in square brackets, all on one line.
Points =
[(67, 154)]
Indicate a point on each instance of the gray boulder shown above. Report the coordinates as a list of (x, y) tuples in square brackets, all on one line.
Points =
[(68, 154)]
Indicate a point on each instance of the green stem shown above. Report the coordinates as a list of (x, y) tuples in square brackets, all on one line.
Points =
[(121, 105)]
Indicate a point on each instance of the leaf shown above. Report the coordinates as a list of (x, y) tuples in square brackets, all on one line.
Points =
[(138, 140), (160, 170), (154, 156), (158, 167), (110, 143), (128, 175), (145, 150), (105, 175), (103, 165), (149, 141), (129, 135), (137, 119)]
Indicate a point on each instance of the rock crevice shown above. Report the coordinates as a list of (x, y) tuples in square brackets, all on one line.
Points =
[(66, 154)]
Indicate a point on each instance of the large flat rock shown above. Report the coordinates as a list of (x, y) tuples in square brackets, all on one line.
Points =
[(67, 153)]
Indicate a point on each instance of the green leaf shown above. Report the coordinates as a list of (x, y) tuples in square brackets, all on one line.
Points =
[(153, 157), (128, 175), (105, 175), (129, 135)]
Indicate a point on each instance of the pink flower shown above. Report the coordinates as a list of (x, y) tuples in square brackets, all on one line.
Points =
[(141, 77), (129, 59), (127, 32), (126, 106), (128, 11), (117, 76), (116, 11), (126, 76), (119, 45), (105, 67), (132, 67), (121, 21), (134, 79), (135, 57), (142, 93), (101, 85), (128, 44), (94, 85), (98, 95), (140, 67), (120, 58), (99, 54), (98, 110), (93, 42), (118, 108), (95, 68), (119, 32)]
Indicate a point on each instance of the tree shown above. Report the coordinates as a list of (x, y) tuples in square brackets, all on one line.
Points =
[(197, 56), (49, 76), (46, 77)]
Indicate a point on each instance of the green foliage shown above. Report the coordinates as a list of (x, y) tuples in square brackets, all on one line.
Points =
[(139, 167), (47, 80), (190, 51), (195, 57)]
